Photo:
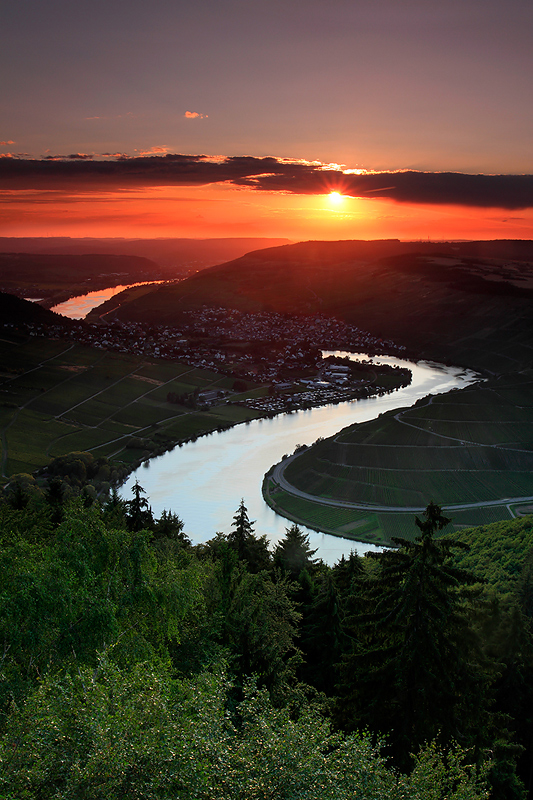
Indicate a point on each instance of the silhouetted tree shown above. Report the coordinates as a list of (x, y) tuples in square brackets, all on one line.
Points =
[(170, 526), (138, 511), (250, 548)]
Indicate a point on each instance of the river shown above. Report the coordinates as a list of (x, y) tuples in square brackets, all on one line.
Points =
[(203, 481), (78, 307)]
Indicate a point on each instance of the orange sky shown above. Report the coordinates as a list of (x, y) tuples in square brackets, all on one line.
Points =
[(222, 210), (431, 101)]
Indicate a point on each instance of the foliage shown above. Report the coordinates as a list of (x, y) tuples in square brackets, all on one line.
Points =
[(110, 639), (497, 551), (87, 588), (134, 733), (415, 666)]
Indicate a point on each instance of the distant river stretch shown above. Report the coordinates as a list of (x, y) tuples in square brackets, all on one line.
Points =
[(79, 307), (203, 481)]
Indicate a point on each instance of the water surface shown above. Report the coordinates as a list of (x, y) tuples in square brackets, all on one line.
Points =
[(203, 481), (78, 307)]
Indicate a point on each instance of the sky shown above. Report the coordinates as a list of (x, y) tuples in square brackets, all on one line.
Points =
[(241, 117)]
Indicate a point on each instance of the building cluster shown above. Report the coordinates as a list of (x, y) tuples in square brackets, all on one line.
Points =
[(263, 347), (314, 393), (328, 333)]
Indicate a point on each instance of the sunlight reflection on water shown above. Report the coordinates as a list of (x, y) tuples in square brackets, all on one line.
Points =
[(79, 307), (203, 481)]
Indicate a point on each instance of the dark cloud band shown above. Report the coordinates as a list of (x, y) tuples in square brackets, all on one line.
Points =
[(78, 171)]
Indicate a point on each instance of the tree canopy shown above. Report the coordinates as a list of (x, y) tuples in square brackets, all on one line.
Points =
[(134, 664)]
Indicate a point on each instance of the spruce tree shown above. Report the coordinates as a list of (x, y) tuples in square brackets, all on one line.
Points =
[(251, 549), (323, 636), (293, 553), (138, 511), (415, 669)]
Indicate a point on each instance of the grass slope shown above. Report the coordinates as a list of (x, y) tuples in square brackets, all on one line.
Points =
[(56, 398), (463, 448)]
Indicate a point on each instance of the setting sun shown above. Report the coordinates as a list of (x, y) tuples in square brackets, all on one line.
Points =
[(335, 198)]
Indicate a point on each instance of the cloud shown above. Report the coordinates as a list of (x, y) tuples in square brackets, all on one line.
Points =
[(15, 155), (80, 156), (152, 168), (194, 115), (154, 151), (5, 144)]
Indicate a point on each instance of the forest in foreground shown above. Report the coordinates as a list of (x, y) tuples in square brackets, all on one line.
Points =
[(134, 665)]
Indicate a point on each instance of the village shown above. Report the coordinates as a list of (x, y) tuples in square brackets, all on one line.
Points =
[(278, 351)]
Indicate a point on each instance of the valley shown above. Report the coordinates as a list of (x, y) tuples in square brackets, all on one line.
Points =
[(241, 340)]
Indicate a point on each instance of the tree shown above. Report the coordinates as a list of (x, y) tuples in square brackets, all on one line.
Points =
[(323, 638), (55, 496), (243, 531), (169, 526), (138, 511), (249, 548), (416, 666), (293, 553)]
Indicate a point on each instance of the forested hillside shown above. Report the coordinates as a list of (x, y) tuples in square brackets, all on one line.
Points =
[(136, 665)]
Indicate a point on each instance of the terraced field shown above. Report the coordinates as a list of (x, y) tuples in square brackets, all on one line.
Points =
[(470, 451)]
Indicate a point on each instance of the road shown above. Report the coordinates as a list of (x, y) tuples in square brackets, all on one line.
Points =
[(278, 476)]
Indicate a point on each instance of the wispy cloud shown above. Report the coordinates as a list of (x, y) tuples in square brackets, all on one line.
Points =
[(152, 168), (5, 144), (160, 150), (127, 115), (195, 115)]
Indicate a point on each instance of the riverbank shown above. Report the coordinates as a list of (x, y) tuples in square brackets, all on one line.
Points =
[(469, 452), (204, 481)]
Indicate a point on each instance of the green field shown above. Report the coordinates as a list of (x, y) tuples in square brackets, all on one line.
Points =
[(458, 449), (56, 398)]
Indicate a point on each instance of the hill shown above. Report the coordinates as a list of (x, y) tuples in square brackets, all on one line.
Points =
[(169, 253), (466, 303), (462, 303), (57, 268), (54, 278), (16, 311)]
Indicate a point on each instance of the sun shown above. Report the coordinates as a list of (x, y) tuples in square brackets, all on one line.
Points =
[(335, 198)]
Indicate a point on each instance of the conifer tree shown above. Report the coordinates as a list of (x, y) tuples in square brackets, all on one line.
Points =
[(251, 549), (242, 531), (293, 553), (138, 511), (415, 668), (323, 637)]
